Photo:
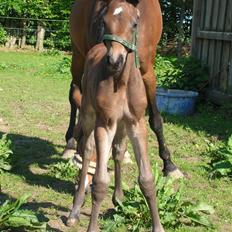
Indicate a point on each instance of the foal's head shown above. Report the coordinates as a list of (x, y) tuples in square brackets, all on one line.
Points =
[(120, 20)]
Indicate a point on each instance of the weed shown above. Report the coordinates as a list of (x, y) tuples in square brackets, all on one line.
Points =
[(221, 164), (65, 170), (5, 153), (174, 210), (11, 216)]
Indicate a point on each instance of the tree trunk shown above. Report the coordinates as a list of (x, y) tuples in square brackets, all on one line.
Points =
[(40, 37)]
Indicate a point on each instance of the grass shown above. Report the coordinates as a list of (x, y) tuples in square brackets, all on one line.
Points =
[(34, 111)]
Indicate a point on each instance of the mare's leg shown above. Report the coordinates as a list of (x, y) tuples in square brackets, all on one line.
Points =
[(156, 124), (138, 136), (80, 193), (118, 150), (77, 70), (103, 138)]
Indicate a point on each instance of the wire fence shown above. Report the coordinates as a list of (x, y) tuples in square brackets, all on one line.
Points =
[(49, 33)]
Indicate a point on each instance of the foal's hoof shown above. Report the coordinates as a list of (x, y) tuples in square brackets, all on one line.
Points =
[(117, 196), (176, 174), (71, 221)]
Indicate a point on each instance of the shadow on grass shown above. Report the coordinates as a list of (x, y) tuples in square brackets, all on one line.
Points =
[(28, 151), (210, 119)]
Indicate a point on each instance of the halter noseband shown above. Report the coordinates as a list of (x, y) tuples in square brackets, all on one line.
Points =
[(132, 46)]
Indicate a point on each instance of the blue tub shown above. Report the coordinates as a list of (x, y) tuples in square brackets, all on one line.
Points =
[(177, 102)]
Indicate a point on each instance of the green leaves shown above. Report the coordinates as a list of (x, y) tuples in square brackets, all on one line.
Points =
[(185, 73), (221, 164), (5, 153), (174, 210), (11, 216), (65, 170)]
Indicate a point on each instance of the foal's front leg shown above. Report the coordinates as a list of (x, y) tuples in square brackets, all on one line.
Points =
[(80, 192), (104, 135), (138, 136)]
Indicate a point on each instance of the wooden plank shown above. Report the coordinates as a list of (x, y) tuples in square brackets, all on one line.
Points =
[(214, 35), (208, 13), (201, 26), (226, 50), (219, 98), (218, 50), (212, 47), (229, 90), (195, 26)]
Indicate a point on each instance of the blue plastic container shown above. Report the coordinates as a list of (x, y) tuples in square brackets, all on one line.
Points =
[(177, 102)]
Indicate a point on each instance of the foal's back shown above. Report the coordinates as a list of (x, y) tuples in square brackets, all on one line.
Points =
[(113, 95)]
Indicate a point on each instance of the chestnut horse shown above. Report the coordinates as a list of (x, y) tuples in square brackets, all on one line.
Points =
[(113, 105), (87, 29)]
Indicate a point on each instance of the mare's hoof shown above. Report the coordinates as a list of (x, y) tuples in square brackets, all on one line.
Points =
[(68, 153), (71, 221), (176, 174)]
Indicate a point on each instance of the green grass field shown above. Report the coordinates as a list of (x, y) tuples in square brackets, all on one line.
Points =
[(34, 112)]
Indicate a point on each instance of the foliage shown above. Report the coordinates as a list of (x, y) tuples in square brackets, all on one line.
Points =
[(3, 35), (221, 164), (12, 217), (185, 73), (5, 153), (174, 210), (65, 170)]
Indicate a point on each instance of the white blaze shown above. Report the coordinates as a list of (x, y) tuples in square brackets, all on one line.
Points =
[(118, 10)]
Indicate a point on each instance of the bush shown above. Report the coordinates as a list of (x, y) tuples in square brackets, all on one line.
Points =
[(3, 35), (12, 217), (5, 153), (185, 73), (174, 210), (221, 164)]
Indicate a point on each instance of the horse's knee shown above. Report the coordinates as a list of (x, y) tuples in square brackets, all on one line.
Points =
[(146, 183), (100, 186)]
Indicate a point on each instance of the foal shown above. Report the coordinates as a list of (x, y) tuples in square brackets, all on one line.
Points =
[(113, 105)]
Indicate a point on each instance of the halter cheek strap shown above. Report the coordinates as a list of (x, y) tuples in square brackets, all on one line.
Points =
[(131, 46)]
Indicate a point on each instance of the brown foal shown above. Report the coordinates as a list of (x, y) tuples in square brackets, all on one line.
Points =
[(87, 29), (113, 105)]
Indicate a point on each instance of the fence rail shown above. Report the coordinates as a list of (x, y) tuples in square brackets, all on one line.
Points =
[(35, 32)]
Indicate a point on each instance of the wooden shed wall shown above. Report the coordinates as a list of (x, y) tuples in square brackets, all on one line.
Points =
[(212, 44)]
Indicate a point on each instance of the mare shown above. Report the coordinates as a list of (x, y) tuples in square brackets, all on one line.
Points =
[(113, 105), (87, 28)]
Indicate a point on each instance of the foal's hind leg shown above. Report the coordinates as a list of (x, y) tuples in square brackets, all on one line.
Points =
[(138, 137), (156, 124), (118, 150)]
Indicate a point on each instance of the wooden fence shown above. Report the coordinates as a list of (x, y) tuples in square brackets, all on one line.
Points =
[(212, 44)]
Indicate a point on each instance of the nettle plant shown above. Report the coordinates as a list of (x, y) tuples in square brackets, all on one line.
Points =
[(133, 213), (5, 154), (221, 164), (13, 218)]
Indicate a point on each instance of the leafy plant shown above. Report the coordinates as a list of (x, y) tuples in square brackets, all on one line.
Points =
[(221, 164), (63, 67), (184, 73), (64, 170), (3, 35), (174, 210), (5, 153), (11, 216)]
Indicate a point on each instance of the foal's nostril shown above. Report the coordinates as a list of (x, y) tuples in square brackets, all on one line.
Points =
[(119, 60), (115, 63)]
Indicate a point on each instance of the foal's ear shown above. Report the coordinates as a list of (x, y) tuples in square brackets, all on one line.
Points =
[(133, 2)]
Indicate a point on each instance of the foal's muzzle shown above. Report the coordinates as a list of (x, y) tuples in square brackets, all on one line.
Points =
[(115, 63)]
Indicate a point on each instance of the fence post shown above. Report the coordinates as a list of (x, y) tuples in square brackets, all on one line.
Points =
[(40, 36)]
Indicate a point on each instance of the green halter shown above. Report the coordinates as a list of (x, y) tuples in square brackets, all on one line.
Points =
[(131, 46)]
